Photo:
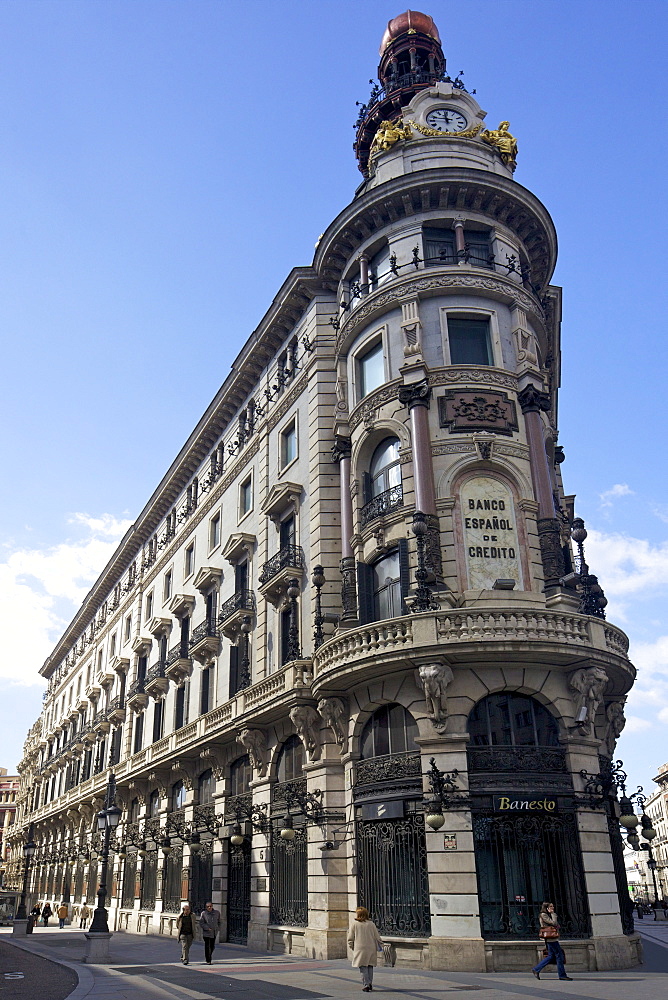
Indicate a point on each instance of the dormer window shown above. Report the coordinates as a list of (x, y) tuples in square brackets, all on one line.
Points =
[(440, 247)]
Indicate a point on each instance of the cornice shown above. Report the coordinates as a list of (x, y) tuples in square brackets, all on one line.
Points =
[(449, 189)]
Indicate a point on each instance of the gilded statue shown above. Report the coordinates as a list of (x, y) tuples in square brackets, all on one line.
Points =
[(503, 141), (435, 133), (388, 133)]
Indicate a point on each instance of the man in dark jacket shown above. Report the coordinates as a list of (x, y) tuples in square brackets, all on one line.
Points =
[(210, 924), (185, 928)]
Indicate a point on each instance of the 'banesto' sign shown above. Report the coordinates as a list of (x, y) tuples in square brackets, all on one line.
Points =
[(527, 803)]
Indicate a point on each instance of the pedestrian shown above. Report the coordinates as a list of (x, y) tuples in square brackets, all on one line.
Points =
[(210, 924), (185, 928), (35, 912), (46, 913), (84, 916), (364, 939), (549, 933), (62, 915)]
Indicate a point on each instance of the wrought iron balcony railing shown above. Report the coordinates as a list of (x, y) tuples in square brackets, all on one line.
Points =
[(138, 686), (116, 704), (382, 504), (203, 631), (290, 555), (242, 600), (157, 670), (178, 652), (389, 767)]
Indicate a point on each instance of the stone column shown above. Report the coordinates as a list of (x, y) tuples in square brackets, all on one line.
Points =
[(532, 402), (341, 454), (460, 241), (416, 397)]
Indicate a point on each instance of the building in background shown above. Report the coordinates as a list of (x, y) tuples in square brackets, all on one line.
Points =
[(348, 653), (9, 790)]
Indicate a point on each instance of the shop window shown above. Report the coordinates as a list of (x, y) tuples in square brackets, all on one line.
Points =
[(512, 720)]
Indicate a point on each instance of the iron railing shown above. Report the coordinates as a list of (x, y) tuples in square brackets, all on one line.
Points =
[(178, 652), (156, 671), (385, 502), (288, 897), (129, 879), (239, 893), (242, 600), (149, 881), (137, 687), (116, 704), (204, 630), (389, 767), (171, 881), (288, 555)]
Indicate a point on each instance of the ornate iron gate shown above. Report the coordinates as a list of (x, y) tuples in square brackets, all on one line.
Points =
[(149, 880), (129, 878), (393, 881), (239, 892), (201, 877), (91, 887), (79, 881), (288, 899), (171, 881), (522, 861)]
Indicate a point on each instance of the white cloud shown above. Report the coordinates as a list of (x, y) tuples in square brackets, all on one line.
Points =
[(618, 490), (627, 565), (663, 715), (41, 590)]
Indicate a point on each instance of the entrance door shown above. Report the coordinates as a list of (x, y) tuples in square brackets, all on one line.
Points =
[(523, 861), (239, 893), (392, 875)]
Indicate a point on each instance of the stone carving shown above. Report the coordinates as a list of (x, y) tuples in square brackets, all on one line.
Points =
[(305, 720), (588, 685), (255, 742), (551, 551), (179, 770), (160, 781), (462, 410), (434, 679), (210, 758), (616, 722), (340, 449), (333, 713), (532, 399), (417, 394)]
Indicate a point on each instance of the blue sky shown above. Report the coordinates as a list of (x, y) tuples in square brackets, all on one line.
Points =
[(164, 164)]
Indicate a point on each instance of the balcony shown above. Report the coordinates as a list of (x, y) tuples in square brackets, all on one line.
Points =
[(179, 664), (286, 565), (156, 683), (234, 610), (383, 504), (101, 723), (137, 697), (116, 710), (205, 642)]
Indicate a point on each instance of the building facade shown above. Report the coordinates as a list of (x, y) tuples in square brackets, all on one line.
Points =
[(9, 790), (348, 653)]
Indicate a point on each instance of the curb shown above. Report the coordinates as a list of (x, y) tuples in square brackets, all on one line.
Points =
[(84, 974)]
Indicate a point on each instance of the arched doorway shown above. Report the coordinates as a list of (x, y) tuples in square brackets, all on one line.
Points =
[(288, 902), (392, 879), (525, 833), (239, 855)]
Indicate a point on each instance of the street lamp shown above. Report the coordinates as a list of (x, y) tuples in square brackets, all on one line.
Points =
[(28, 851), (318, 580), (107, 820)]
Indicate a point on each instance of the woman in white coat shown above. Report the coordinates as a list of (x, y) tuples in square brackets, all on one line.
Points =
[(365, 942)]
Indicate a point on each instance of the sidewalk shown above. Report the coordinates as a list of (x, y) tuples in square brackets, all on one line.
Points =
[(148, 968)]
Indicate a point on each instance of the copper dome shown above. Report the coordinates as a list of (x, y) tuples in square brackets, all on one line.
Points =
[(410, 20)]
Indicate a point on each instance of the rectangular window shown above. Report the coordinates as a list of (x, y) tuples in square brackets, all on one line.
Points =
[(149, 607), (205, 690), (469, 341), (112, 646), (214, 532), (167, 585), (371, 367), (179, 707), (246, 497), (127, 629), (189, 567), (241, 576), (288, 445), (139, 733), (440, 247), (158, 711), (287, 533), (100, 656)]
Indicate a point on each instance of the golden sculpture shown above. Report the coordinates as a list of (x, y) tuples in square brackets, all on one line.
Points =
[(388, 133), (470, 133), (504, 142)]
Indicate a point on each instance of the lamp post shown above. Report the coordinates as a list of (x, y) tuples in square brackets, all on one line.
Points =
[(630, 821), (318, 580), (244, 668), (294, 649), (423, 600), (107, 821), (28, 851), (592, 598)]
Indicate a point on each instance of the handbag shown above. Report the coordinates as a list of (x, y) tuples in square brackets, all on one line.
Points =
[(548, 933)]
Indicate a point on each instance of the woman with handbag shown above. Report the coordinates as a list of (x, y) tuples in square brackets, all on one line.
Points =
[(549, 933)]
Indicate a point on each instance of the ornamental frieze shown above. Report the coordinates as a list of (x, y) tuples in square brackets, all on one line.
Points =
[(414, 286), (471, 410), (484, 375)]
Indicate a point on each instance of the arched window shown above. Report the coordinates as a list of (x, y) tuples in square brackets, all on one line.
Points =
[(134, 811), (391, 729), (154, 803), (512, 720), (384, 468), (178, 795), (205, 787), (387, 601), (291, 759), (241, 774)]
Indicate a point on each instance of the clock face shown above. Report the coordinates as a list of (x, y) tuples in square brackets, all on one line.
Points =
[(446, 120)]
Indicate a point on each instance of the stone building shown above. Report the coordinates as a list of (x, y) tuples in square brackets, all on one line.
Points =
[(348, 653), (9, 790)]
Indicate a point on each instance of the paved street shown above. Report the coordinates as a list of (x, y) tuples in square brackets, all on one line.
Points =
[(146, 968)]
